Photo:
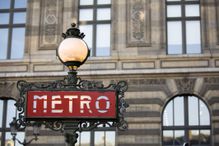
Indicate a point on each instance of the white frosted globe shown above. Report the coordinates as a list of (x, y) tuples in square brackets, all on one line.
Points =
[(73, 49)]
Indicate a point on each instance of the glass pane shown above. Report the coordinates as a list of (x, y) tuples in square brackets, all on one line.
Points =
[(17, 47), (174, 36), (103, 40), (4, 43), (86, 14), (192, 10), (20, 4), (19, 17), (179, 137), (193, 37), (4, 4), (194, 137), (99, 138), (4, 18), (205, 137), (179, 111), (204, 114), (103, 14), (173, 0), (88, 31), (100, 2), (85, 139), (167, 137), (11, 112), (168, 115), (86, 2), (193, 110), (110, 138), (8, 140), (1, 112), (174, 11)]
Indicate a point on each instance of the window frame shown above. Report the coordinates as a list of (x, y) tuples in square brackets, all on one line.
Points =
[(92, 135), (11, 25), (186, 127), (3, 128), (183, 18), (94, 22)]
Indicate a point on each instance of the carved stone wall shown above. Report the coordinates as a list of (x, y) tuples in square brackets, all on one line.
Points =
[(50, 23), (138, 23)]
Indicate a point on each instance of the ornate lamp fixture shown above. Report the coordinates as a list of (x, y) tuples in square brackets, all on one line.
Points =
[(73, 51)]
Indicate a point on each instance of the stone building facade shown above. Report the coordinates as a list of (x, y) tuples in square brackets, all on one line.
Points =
[(138, 55)]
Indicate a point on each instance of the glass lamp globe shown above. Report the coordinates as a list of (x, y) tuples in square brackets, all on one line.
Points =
[(73, 51)]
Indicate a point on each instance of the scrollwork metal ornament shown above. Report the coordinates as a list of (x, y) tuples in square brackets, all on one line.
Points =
[(73, 83)]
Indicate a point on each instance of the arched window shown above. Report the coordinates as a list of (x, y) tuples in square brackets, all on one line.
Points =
[(186, 119), (7, 112)]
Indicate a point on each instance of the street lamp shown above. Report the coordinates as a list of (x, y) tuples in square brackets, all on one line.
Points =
[(107, 102), (15, 126), (73, 51)]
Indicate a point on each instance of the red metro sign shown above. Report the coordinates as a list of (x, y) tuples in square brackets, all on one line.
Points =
[(71, 105)]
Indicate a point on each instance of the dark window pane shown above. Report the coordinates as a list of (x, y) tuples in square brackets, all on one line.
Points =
[(103, 40), (104, 14), (20, 4), (179, 137), (4, 18), (193, 110), (167, 137), (100, 2), (174, 11), (19, 17), (168, 115), (194, 137), (17, 47), (193, 37), (4, 4), (174, 37), (110, 138), (1, 113), (11, 112), (86, 2), (86, 15), (204, 114), (179, 111), (4, 43), (205, 137), (99, 138)]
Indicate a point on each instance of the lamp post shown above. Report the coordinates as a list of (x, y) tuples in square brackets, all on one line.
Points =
[(70, 105)]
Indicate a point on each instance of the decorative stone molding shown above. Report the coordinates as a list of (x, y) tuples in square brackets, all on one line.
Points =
[(50, 23), (138, 23), (185, 85)]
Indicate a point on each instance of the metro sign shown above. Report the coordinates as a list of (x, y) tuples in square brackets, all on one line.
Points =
[(71, 105)]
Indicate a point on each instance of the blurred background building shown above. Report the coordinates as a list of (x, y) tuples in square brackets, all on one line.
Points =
[(167, 51)]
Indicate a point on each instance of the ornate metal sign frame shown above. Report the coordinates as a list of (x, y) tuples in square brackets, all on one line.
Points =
[(72, 83)]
